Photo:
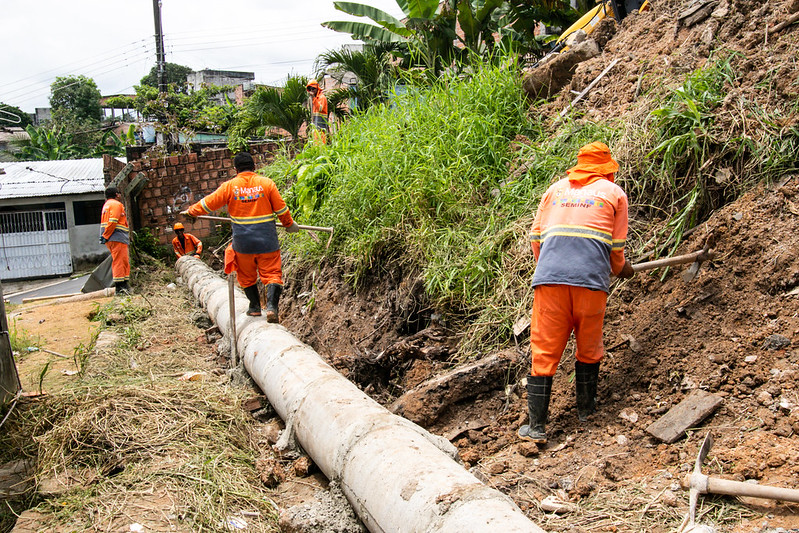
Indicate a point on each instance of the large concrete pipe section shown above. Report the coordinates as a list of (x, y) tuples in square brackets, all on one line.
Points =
[(397, 476)]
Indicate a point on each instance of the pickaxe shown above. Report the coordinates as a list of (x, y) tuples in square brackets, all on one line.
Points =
[(696, 258), (699, 483), (308, 228)]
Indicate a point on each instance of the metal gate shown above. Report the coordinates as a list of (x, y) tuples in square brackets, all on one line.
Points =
[(34, 244)]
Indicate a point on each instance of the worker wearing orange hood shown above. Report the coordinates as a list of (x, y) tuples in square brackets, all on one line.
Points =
[(578, 239), (318, 111)]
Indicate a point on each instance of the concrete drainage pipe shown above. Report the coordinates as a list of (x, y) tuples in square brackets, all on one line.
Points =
[(397, 476)]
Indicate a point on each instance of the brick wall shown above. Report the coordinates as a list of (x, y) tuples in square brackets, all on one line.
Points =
[(177, 181)]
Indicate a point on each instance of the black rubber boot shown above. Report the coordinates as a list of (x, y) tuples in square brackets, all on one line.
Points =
[(255, 300), (539, 389), (585, 382), (273, 292), (122, 288)]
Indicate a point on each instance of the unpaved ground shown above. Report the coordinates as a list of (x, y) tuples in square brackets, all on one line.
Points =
[(60, 328)]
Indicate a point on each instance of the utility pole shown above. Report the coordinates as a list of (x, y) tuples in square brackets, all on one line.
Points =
[(159, 47)]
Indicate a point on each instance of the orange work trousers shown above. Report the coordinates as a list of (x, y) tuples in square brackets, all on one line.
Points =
[(120, 262), (249, 267), (557, 311)]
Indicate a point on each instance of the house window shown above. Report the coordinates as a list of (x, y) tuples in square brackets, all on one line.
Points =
[(87, 212)]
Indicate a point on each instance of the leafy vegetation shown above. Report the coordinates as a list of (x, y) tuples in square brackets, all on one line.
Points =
[(428, 35), (444, 180), (13, 116), (703, 155), (75, 97), (174, 74), (271, 107)]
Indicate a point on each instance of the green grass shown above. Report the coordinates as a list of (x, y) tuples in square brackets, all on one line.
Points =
[(424, 182)]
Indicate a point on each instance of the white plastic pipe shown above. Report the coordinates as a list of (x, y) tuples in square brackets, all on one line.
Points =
[(397, 476)]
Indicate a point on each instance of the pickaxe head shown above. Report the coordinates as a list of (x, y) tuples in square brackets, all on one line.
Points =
[(705, 255), (698, 480)]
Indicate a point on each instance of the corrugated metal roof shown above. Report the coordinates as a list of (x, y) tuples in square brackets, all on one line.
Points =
[(27, 179)]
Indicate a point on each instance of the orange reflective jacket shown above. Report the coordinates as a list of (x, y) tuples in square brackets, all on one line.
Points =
[(113, 222), (319, 110), (253, 202), (579, 232), (192, 244)]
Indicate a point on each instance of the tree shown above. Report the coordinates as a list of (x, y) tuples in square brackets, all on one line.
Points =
[(76, 97), (13, 116), (54, 143), (373, 68), (272, 107), (429, 30), (174, 74)]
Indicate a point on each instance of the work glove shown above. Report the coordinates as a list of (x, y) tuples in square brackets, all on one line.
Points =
[(187, 215), (103, 240), (627, 270), (294, 228)]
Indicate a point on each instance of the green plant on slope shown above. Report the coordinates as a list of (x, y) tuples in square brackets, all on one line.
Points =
[(703, 157)]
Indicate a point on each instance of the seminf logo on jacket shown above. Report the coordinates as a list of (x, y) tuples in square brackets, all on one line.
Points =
[(248, 194), (566, 197)]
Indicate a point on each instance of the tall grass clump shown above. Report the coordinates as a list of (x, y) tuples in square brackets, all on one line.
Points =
[(418, 178), (710, 145), (431, 180)]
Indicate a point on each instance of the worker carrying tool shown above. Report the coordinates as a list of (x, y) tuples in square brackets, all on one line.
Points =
[(253, 202), (578, 239), (185, 243), (115, 234), (319, 124)]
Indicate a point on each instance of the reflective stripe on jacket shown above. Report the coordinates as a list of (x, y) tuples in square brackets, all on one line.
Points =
[(113, 222), (253, 202), (579, 233), (319, 110), (192, 244)]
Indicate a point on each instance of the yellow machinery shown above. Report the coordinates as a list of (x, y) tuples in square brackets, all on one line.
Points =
[(609, 8)]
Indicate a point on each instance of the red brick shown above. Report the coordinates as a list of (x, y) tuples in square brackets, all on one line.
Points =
[(192, 157), (208, 165), (158, 211), (190, 167), (174, 160)]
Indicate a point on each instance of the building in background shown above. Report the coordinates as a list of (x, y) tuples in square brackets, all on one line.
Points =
[(50, 217)]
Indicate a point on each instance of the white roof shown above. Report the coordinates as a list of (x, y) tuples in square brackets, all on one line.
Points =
[(26, 179)]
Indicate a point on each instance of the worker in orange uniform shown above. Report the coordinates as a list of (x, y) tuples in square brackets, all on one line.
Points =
[(115, 234), (253, 202), (578, 239), (319, 124), (185, 243)]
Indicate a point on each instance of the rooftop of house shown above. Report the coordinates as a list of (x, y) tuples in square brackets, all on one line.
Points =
[(27, 179)]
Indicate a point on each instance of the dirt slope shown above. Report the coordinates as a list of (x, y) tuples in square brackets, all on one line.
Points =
[(733, 331)]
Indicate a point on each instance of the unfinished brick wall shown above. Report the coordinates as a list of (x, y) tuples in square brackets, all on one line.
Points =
[(175, 182)]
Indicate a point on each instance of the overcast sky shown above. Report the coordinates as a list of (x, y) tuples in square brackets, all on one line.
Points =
[(113, 41)]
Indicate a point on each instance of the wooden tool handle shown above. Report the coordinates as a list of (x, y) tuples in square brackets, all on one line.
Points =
[(701, 255), (310, 228), (738, 488)]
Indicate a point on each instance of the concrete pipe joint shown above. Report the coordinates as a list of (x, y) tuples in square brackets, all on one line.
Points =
[(397, 476)]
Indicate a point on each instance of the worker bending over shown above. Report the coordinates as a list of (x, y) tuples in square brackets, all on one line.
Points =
[(115, 234), (578, 239), (252, 202), (185, 243)]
